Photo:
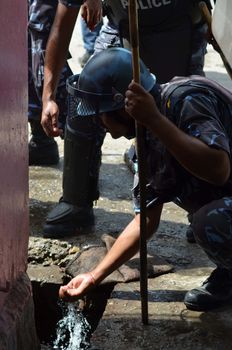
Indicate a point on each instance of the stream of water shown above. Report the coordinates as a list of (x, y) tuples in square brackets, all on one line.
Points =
[(73, 329)]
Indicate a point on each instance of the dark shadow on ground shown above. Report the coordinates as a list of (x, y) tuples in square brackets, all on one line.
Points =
[(173, 331), (116, 182), (153, 295)]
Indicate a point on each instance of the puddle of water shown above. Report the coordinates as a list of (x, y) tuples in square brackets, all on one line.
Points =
[(73, 329)]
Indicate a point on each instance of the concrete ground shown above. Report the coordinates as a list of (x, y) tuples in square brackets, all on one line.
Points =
[(171, 325)]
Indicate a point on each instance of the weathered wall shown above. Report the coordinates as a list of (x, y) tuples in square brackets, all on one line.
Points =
[(13, 141), (17, 325), (17, 329)]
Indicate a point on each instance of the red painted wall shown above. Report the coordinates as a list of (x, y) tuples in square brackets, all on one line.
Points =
[(14, 226)]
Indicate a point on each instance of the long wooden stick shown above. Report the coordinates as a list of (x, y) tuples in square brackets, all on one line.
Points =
[(140, 140), (208, 18)]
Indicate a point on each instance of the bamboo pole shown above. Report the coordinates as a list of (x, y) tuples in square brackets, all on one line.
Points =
[(140, 142)]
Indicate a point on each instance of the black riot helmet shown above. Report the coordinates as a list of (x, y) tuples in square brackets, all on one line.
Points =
[(102, 84)]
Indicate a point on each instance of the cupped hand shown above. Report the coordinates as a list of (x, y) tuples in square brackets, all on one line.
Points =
[(91, 12), (77, 287), (49, 119)]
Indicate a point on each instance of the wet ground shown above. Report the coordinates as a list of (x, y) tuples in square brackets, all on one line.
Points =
[(171, 325)]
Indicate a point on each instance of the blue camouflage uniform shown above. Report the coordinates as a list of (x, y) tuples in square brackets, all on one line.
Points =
[(167, 181), (41, 17), (171, 34)]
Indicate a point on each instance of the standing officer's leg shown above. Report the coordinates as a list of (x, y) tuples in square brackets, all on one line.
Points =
[(82, 158), (43, 150)]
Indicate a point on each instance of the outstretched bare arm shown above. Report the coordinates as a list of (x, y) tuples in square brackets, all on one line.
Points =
[(123, 249)]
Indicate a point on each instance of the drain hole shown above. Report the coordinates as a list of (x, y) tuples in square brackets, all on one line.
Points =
[(49, 311)]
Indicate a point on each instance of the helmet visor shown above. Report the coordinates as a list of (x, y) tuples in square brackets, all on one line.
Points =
[(82, 103)]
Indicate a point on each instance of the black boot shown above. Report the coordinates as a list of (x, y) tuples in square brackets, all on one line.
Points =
[(82, 156), (43, 150), (67, 220), (215, 291)]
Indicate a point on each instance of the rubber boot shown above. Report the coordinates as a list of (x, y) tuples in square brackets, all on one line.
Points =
[(82, 157), (43, 150), (215, 291)]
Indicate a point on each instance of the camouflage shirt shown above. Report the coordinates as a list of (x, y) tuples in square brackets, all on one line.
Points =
[(201, 114)]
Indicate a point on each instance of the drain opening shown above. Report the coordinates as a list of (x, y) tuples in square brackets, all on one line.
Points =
[(57, 323)]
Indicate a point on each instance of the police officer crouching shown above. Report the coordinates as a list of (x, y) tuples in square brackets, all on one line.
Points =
[(188, 125)]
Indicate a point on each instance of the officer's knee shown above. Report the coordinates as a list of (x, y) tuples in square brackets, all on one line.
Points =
[(212, 226)]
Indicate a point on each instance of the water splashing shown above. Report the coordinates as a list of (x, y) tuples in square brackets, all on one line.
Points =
[(72, 330)]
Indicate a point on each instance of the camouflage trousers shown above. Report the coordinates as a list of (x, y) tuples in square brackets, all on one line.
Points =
[(40, 19), (212, 225)]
